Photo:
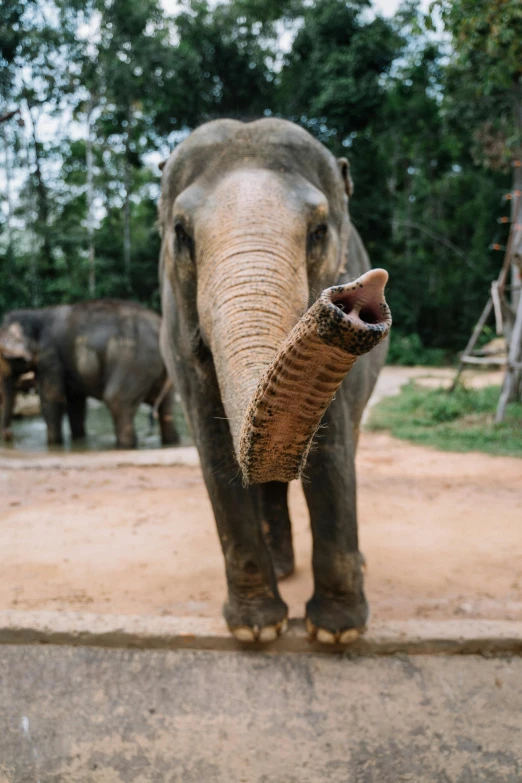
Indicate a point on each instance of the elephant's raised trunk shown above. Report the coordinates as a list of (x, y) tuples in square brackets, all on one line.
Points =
[(294, 392), (247, 322), (252, 284)]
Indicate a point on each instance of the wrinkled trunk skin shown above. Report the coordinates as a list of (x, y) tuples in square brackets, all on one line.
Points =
[(292, 396), (252, 289)]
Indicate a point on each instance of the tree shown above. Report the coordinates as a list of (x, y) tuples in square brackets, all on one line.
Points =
[(122, 79), (12, 13), (40, 75), (487, 37), (332, 82), (444, 206), (222, 66)]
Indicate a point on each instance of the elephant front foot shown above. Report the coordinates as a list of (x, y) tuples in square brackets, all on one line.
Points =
[(259, 620), (7, 435), (337, 612), (336, 620)]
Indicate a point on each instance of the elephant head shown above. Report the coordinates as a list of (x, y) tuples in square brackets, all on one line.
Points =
[(255, 226), (14, 344)]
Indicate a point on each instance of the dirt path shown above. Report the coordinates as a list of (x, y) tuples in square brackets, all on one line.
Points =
[(441, 534)]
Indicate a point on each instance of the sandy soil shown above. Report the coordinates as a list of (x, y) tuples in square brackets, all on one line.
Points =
[(441, 534)]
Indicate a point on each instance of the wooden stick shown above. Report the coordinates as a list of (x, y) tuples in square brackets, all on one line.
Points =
[(483, 360), (512, 374), (497, 307), (473, 339)]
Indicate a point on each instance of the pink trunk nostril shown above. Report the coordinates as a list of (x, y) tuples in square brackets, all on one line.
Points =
[(344, 302), (369, 315), (365, 300), (349, 303)]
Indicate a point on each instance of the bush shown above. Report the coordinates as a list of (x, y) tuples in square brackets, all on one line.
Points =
[(408, 350)]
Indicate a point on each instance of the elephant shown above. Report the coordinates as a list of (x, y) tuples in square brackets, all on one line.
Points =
[(106, 349), (267, 299)]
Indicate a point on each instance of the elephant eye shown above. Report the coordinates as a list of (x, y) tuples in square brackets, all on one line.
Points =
[(181, 233), (183, 238), (319, 233), (316, 239)]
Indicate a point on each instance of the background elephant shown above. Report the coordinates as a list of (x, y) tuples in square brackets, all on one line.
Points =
[(104, 349), (255, 225)]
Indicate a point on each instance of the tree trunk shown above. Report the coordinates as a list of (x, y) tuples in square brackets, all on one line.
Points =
[(127, 183), (516, 221), (45, 270), (516, 227), (9, 217), (90, 209)]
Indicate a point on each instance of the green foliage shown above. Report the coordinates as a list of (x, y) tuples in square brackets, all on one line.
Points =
[(380, 92), (332, 84), (331, 80), (462, 420), (11, 38), (488, 37), (223, 65), (486, 69), (408, 350), (444, 208)]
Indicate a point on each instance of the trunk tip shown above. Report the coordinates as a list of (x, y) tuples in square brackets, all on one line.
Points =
[(376, 278)]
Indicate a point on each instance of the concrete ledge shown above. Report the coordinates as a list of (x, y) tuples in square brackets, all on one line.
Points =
[(412, 637), (19, 460)]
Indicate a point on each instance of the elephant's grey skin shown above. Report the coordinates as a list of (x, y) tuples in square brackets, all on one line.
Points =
[(106, 349), (249, 518)]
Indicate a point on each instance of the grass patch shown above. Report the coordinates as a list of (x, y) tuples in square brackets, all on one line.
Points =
[(462, 420)]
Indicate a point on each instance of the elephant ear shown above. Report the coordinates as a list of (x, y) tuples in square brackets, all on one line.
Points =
[(344, 168)]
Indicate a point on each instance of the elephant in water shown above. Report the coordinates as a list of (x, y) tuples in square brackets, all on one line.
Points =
[(255, 226), (106, 349)]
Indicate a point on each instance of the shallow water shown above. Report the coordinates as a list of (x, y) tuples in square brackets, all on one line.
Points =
[(30, 433)]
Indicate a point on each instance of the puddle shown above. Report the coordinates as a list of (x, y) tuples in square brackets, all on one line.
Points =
[(30, 432)]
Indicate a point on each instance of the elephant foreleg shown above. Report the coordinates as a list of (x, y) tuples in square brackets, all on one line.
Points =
[(338, 607), (52, 411), (8, 400), (254, 608), (76, 413), (52, 395), (277, 526), (123, 414), (169, 433)]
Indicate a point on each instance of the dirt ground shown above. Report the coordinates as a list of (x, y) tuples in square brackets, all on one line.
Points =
[(441, 534)]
